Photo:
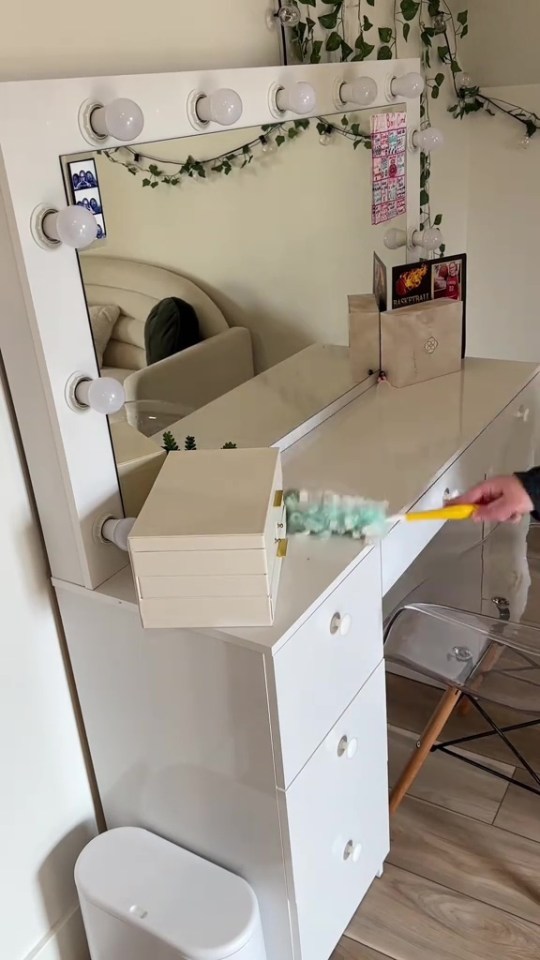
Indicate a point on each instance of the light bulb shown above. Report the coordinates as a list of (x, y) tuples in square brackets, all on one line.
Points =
[(525, 141), (288, 15), (76, 226), (122, 119), (222, 106), (429, 239), (411, 85), (463, 80), (268, 145), (394, 239), (427, 140), (104, 394), (362, 91), (118, 531), (298, 98)]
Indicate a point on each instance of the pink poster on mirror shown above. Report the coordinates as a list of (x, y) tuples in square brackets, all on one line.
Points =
[(388, 172)]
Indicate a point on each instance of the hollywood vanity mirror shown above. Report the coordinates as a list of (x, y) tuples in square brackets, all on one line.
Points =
[(265, 257), (265, 249)]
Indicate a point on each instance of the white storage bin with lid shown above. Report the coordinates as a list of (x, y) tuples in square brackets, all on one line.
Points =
[(143, 898), (207, 547)]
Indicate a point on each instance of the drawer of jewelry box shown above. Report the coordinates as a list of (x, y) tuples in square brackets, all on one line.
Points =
[(318, 672), (208, 545)]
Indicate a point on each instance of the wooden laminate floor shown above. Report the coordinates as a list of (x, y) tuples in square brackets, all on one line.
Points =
[(462, 881)]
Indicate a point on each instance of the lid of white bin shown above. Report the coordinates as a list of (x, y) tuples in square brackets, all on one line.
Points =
[(203, 911)]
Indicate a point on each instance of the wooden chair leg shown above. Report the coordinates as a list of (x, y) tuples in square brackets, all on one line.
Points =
[(431, 733)]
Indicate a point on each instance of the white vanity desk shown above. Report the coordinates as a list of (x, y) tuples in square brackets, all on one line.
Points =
[(265, 749)]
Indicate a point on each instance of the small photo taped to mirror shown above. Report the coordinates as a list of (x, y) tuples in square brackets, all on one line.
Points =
[(84, 189)]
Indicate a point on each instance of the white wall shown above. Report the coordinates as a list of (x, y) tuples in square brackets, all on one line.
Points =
[(503, 41), (504, 234), (46, 813), (45, 805)]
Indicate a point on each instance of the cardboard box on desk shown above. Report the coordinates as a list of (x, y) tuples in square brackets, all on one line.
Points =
[(207, 547), (421, 342)]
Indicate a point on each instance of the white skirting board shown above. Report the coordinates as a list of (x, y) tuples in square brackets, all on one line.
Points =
[(66, 940)]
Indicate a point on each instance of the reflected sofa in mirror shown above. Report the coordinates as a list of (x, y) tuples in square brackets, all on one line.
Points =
[(200, 283)]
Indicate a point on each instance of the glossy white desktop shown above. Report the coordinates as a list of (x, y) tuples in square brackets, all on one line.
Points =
[(265, 749)]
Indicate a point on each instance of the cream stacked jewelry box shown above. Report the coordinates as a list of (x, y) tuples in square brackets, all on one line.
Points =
[(208, 544)]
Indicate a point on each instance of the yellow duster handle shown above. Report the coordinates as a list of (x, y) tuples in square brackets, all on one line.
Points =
[(460, 511)]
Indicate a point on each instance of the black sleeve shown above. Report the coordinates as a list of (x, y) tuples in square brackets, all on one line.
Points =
[(531, 481)]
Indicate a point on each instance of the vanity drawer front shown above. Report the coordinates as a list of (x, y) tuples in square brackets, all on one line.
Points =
[(337, 822), (324, 664), (510, 438), (406, 540)]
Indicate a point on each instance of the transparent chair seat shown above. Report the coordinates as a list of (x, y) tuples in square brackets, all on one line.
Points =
[(495, 660)]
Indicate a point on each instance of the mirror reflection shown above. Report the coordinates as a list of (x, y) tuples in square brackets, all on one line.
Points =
[(218, 288)]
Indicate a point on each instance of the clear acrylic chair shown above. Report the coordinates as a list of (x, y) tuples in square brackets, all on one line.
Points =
[(478, 661)]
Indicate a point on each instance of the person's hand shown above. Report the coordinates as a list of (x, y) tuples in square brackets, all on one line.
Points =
[(499, 500)]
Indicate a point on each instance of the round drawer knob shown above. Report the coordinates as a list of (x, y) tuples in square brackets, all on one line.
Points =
[(353, 851), (340, 624), (347, 748), (523, 414)]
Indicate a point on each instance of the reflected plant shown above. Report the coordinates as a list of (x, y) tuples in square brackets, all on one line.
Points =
[(171, 446)]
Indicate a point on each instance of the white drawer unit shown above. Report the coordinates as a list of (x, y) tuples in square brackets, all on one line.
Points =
[(510, 439), (324, 664), (336, 819)]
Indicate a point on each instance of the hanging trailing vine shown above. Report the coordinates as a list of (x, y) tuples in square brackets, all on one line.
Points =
[(158, 171)]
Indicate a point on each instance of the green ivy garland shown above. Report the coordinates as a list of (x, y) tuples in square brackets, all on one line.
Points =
[(157, 171)]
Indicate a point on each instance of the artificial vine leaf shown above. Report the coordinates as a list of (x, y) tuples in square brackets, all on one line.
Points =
[(384, 53), (424, 198), (329, 20), (434, 8), (370, 3), (346, 50), (366, 24), (435, 93), (280, 140), (315, 56), (409, 9), (364, 49), (333, 42), (425, 35), (146, 182), (406, 31), (443, 53), (438, 220), (465, 31), (439, 79), (308, 3), (463, 17), (385, 34)]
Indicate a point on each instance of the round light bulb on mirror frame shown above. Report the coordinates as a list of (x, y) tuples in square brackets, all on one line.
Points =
[(222, 106), (122, 119), (361, 91), (428, 139), (116, 531), (429, 239), (104, 394), (297, 98), (410, 86), (75, 226)]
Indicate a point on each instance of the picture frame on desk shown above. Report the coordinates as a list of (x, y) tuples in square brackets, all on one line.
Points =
[(425, 280)]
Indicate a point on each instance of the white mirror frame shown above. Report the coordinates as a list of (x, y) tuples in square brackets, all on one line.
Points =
[(45, 336)]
